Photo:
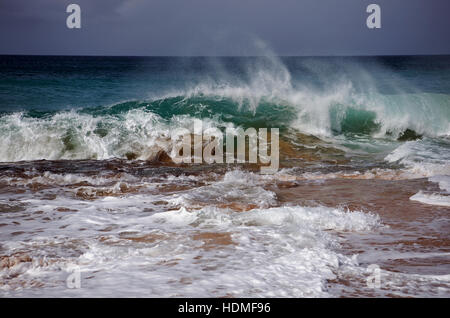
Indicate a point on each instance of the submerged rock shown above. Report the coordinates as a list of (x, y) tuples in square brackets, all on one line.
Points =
[(409, 134)]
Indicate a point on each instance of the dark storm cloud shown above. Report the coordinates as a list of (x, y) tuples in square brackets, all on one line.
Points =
[(232, 27)]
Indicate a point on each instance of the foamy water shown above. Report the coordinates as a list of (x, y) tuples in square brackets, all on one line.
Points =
[(179, 251), (165, 240)]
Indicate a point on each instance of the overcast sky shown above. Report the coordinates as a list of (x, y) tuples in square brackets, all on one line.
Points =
[(226, 27)]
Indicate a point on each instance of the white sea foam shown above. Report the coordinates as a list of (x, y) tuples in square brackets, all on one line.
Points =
[(278, 251), (423, 158), (236, 186), (275, 252), (443, 181), (432, 198), (194, 250), (426, 158), (74, 135), (440, 198)]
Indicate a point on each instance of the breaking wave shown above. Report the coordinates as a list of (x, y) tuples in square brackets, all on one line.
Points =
[(266, 95)]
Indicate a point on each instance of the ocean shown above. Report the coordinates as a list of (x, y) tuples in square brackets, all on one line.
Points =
[(89, 193)]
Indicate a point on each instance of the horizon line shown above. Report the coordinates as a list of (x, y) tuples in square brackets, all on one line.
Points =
[(226, 56)]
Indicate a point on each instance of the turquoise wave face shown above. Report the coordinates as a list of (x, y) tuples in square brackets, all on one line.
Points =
[(267, 114)]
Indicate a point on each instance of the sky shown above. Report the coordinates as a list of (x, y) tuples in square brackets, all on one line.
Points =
[(225, 27)]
